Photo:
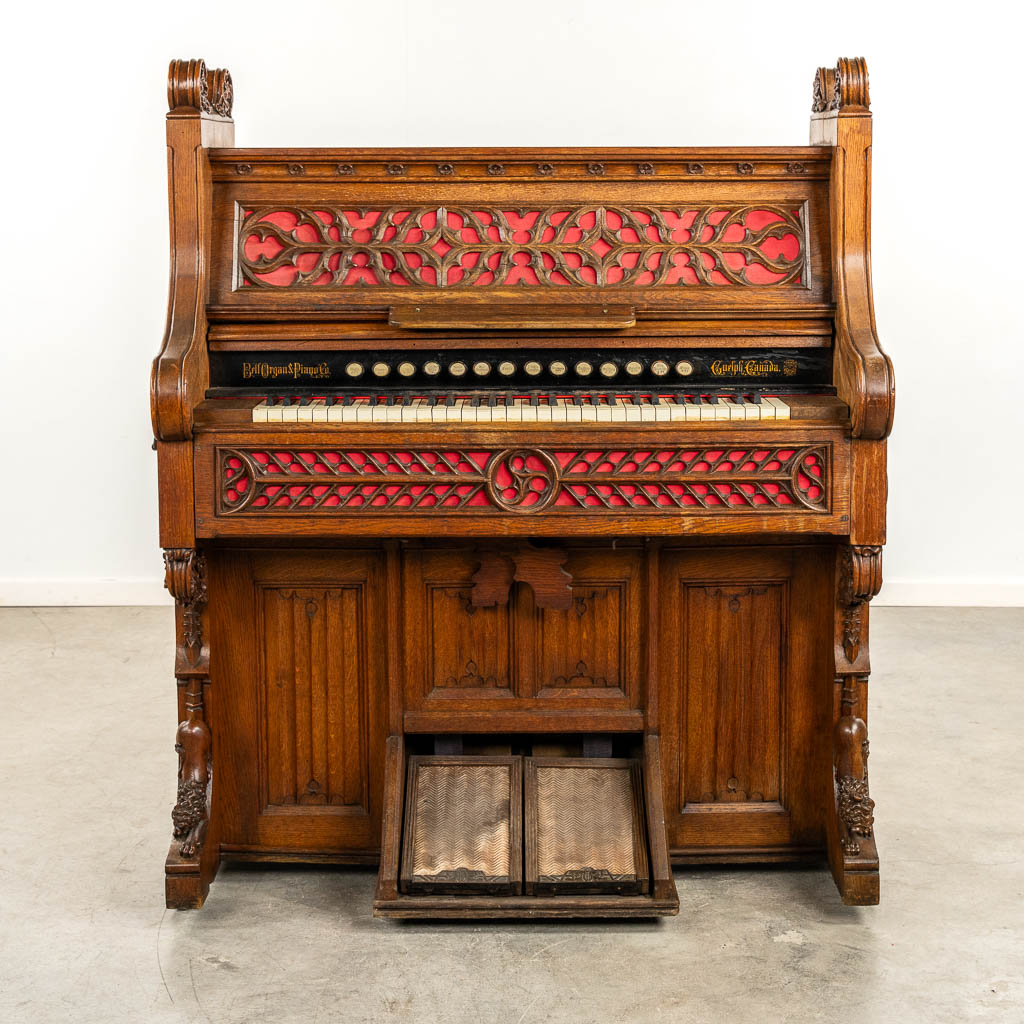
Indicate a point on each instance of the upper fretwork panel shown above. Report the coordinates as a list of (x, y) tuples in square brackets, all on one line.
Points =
[(354, 232)]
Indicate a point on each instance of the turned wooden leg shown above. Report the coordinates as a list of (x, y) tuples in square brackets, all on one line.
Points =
[(193, 858), (853, 855)]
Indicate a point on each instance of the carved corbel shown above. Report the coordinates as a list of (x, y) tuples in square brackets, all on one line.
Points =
[(186, 580), (854, 805), (860, 579)]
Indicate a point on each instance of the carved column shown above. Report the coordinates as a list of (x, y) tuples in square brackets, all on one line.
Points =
[(855, 806), (852, 848), (189, 869)]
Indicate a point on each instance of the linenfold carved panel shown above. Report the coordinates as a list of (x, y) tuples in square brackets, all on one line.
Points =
[(523, 480), (315, 696), (557, 246)]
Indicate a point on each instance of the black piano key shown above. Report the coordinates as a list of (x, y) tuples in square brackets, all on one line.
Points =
[(492, 400), (305, 401), (346, 400), (534, 399), (284, 402), (449, 400), (655, 399), (713, 398), (329, 400), (755, 397), (474, 402)]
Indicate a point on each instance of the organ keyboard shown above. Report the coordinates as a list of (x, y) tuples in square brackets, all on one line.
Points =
[(522, 510), (509, 407)]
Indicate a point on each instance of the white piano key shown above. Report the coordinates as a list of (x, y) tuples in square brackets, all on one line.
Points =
[(604, 412), (735, 410), (632, 410), (573, 412), (499, 413), (751, 410), (646, 412), (558, 411), (682, 410), (290, 413), (336, 413), (439, 413), (781, 409), (362, 410), (259, 412), (543, 413), (529, 412), (319, 408), (662, 412), (304, 413), (588, 412)]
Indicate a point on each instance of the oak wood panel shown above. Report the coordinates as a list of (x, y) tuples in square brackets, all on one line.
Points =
[(302, 670), (742, 683)]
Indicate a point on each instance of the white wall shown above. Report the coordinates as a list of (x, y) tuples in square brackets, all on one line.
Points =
[(85, 252)]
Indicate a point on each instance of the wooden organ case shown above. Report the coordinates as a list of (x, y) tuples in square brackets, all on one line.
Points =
[(522, 509)]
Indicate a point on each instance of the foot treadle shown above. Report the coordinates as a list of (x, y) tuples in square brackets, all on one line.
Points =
[(525, 837), (584, 826)]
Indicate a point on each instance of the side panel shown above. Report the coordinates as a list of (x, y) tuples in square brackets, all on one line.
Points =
[(744, 708), (299, 673)]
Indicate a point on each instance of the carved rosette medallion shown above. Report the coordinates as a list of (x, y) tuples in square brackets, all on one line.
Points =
[(523, 480)]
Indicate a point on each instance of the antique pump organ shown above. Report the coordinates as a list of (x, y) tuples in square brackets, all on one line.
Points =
[(522, 509)]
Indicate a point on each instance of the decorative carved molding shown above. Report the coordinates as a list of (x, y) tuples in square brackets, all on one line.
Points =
[(735, 596), (860, 579), (523, 481), (460, 875), (582, 678), (586, 246), (185, 578), (472, 678), (587, 875), (191, 85)]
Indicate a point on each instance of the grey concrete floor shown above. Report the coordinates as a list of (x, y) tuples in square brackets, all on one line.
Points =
[(87, 775)]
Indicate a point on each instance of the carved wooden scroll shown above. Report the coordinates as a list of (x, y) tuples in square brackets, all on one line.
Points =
[(841, 118), (186, 580), (191, 85), (199, 101)]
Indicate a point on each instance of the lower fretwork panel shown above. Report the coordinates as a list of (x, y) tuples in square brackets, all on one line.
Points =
[(317, 655)]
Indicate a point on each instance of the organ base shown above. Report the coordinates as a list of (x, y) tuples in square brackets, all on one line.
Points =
[(708, 666)]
